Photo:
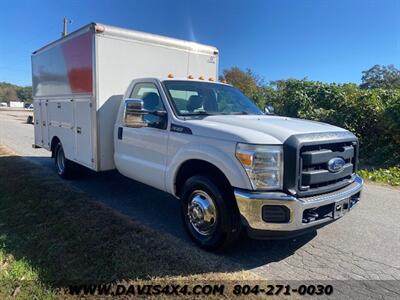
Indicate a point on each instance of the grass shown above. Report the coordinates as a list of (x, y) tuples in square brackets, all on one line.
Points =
[(52, 236), (389, 176)]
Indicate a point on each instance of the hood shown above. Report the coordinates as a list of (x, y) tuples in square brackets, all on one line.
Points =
[(259, 129)]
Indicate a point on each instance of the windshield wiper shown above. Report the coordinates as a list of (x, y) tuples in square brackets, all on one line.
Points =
[(236, 113), (199, 113), (206, 113)]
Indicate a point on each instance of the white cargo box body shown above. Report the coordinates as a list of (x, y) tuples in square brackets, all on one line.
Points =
[(79, 81)]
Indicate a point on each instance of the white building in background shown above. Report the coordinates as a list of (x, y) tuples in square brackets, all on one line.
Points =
[(16, 104)]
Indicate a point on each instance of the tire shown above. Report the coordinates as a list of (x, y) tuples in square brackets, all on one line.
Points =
[(64, 167), (209, 213)]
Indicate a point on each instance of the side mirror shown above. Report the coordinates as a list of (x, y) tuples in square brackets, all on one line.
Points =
[(269, 110), (134, 112)]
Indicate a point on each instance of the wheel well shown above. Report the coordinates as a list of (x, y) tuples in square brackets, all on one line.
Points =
[(53, 145), (194, 167)]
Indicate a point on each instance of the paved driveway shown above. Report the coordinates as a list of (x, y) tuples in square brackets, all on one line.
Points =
[(365, 244)]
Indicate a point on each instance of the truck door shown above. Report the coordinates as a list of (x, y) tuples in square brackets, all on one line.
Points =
[(140, 153)]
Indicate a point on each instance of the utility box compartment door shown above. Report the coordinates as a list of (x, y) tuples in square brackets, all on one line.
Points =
[(37, 115), (60, 113), (45, 124), (83, 131), (41, 124)]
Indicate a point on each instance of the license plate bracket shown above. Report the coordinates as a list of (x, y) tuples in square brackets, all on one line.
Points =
[(340, 208)]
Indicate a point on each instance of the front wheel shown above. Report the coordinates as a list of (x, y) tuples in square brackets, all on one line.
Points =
[(209, 213)]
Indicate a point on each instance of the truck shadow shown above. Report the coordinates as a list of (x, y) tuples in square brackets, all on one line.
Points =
[(36, 227), (161, 211)]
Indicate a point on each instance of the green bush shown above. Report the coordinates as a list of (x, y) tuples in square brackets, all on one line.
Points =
[(371, 111), (373, 115), (389, 176)]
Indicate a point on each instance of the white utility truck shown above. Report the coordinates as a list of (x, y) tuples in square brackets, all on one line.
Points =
[(151, 107)]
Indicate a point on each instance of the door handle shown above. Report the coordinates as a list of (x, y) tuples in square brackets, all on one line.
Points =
[(78, 130), (120, 131)]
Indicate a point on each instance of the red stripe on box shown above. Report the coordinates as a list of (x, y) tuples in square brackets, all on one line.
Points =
[(78, 60)]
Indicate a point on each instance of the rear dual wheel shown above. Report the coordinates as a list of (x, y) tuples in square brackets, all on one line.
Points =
[(65, 168)]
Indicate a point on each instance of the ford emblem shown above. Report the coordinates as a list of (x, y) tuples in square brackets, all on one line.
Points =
[(336, 164)]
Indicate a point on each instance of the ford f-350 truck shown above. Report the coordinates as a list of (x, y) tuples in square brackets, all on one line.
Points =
[(151, 107)]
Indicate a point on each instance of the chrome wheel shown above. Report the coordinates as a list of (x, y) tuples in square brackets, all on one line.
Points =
[(60, 160), (202, 213)]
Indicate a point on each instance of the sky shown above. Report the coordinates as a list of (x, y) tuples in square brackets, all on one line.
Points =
[(325, 40)]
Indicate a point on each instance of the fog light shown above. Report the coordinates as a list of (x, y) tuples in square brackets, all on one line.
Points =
[(275, 214)]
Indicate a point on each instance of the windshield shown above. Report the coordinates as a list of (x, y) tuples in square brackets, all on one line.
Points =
[(203, 98)]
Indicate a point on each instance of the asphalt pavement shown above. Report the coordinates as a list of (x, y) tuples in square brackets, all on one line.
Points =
[(363, 245)]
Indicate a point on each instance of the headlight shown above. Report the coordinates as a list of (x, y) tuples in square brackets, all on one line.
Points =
[(263, 165)]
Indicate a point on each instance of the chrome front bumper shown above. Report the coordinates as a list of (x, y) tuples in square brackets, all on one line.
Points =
[(250, 206)]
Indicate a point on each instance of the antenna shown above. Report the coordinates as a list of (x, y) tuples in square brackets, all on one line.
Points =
[(65, 29)]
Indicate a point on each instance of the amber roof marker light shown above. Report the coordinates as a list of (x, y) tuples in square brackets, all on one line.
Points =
[(99, 28)]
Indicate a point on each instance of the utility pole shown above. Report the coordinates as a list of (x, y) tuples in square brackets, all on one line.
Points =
[(65, 29)]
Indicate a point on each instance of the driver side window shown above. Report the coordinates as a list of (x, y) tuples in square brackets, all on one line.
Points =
[(148, 92)]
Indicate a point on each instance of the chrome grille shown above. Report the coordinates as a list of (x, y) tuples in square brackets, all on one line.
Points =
[(314, 174)]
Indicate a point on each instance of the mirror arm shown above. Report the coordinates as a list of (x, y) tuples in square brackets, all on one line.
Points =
[(138, 111), (159, 113)]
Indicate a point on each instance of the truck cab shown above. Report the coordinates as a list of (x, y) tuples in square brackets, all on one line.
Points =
[(233, 167)]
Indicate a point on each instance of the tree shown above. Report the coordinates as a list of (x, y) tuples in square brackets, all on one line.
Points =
[(25, 93), (8, 92), (11, 92), (387, 77), (244, 81), (249, 83)]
